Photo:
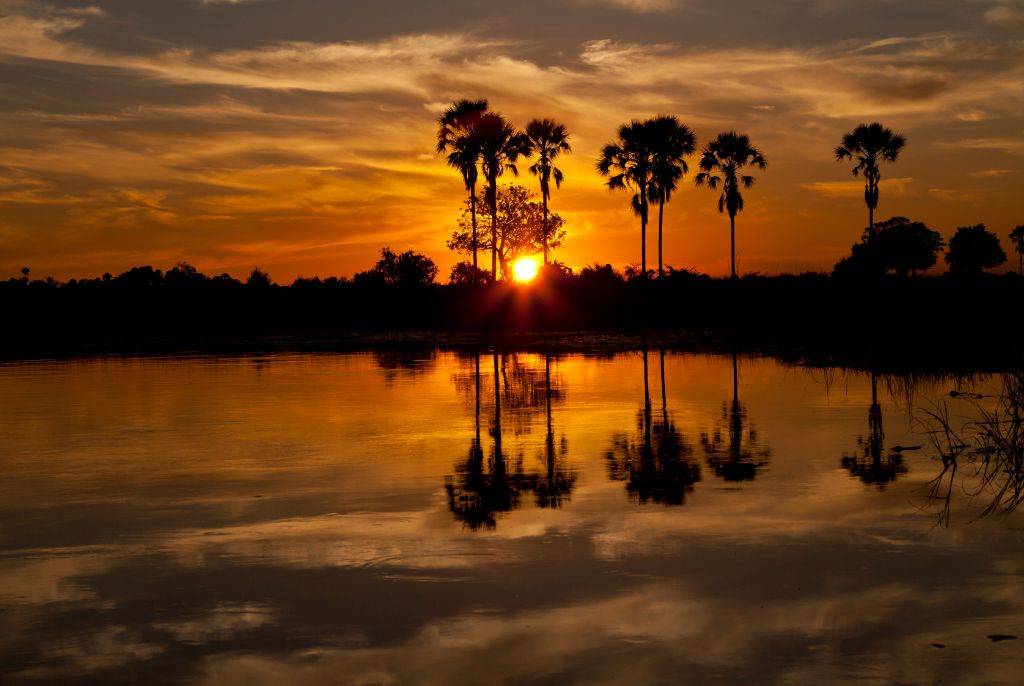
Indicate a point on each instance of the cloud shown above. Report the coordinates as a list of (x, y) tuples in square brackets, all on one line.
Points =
[(850, 189), (641, 6)]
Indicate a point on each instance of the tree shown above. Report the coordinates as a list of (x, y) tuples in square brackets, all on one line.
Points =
[(869, 145), (464, 274), (520, 229), (1017, 236), (973, 249), (458, 136), (548, 139), (258, 279), (628, 163), (25, 272), (672, 142), (721, 164), (408, 269), (897, 245), (500, 147)]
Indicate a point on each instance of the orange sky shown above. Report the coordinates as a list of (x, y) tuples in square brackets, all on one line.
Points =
[(297, 135)]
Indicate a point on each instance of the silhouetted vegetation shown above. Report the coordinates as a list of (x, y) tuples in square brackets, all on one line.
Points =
[(722, 164), (980, 448), (972, 250), (897, 245), (869, 145), (147, 309), (548, 140)]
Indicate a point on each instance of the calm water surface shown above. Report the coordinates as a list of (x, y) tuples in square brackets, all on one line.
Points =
[(444, 518)]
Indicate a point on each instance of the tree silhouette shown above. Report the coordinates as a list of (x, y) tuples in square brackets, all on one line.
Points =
[(407, 269), (628, 162), (973, 249), (457, 135), (736, 455), (1017, 236), (866, 462), (500, 147), (869, 145), (520, 228), (548, 139), (672, 142), (655, 462), (898, 245), (721, 164)]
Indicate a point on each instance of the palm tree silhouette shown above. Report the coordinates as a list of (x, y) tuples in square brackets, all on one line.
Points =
[(1017, 236), (628, 162), (868, 145), (500, 147), (548, 139), (721, 164), (457, 136), (672, 142)]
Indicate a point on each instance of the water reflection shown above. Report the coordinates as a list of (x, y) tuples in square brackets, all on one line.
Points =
[(555, 488), (294, 524), (867, 462), (732, 448), (654, 460), (984, 436)]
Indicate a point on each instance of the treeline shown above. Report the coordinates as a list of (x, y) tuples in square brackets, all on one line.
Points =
[(146, 309)]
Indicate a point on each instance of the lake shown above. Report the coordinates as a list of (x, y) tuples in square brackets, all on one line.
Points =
[(409, 516)]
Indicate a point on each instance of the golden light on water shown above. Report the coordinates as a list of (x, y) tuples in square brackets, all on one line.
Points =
[(525, 269)]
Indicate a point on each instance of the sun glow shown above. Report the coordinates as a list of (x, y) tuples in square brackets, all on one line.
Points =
[(525, 269)]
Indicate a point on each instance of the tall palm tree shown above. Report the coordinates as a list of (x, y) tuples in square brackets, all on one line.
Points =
[(549, 139), (672, 142), (1017, 236), (869, 145), (500, 147), (628, 162), (721, 164), (457, 136)]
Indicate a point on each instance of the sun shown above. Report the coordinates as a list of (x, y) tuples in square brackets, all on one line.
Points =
[(525, 269)]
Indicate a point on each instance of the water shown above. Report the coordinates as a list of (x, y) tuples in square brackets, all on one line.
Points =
[(330, 519)]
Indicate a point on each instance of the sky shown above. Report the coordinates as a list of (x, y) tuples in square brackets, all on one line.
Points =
[(298, 135)]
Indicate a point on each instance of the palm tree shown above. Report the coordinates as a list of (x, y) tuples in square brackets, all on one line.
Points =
[(628, 162), (672, 141), (1017, 236), (870, 144), (500, 147), (457, 136), (721, 163), (549, 139)]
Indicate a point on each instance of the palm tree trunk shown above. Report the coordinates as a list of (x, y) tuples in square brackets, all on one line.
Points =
[(643, 232), (732, 243), (661, 217), (494, 231), (544, 202), (472, 211), (871, 220)]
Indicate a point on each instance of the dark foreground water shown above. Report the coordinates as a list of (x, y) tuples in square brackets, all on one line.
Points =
[(443, 518)]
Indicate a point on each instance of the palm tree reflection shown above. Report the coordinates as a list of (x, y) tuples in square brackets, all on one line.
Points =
[(732, 449), (554, 489), (654, 462), (482, 488), (867, 462)]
